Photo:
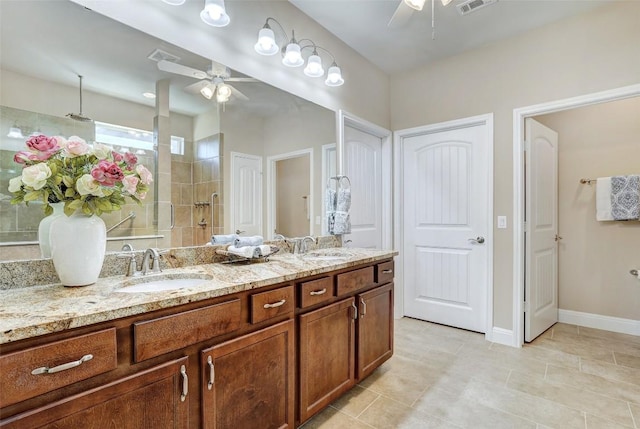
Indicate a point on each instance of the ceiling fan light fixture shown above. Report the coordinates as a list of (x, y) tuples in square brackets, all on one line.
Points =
[(266, 44), (293, 56), (223, 93), (314, 66), (334, 76), (15, 132), (415, 4), (214, 13), (207, 91)]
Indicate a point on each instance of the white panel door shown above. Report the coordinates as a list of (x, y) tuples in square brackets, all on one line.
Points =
[(541, 247), (246, 193), (446, 209), (363, 166)]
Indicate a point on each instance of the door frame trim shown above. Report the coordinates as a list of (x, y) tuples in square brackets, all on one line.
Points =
[(519, 115), (271, 191), (398, 143), (327, 149)]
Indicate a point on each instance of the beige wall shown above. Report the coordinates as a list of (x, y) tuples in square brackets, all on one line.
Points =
[(292, 183), (584, 54), (595, 257)]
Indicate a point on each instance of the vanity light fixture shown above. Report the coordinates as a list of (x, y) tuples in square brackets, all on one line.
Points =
[(214, 13), (292, 53)]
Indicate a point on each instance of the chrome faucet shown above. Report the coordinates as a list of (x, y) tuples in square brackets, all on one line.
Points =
[(303, 243), (150, 261)]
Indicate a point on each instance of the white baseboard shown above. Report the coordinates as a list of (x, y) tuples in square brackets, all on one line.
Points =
[(502, 336), (597, 321)]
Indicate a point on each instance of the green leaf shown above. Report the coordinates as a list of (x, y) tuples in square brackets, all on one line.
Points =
[(32, 196), (68, 181), (86, 209), (69, 193), (48, 210), (103, 204)]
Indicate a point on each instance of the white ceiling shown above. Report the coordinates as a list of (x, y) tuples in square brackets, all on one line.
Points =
[(362, 24), (57, 40)]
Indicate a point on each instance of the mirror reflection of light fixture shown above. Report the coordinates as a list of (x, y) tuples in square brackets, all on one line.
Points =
[(217, 88), (214, 13), (174, 2), (292, 54), (208, 90), (15, 132), (416, 4), (223, 92)]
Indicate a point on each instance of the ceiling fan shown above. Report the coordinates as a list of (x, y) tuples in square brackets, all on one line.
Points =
[(406, 8), (213, 83)]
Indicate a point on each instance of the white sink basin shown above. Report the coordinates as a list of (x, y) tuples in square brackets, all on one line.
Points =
[(160, 284), (327, 255)]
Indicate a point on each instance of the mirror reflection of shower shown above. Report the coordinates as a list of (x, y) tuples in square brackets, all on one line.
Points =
[(213, 198)]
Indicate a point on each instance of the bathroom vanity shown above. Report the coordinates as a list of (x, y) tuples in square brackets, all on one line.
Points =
[(263, 345)]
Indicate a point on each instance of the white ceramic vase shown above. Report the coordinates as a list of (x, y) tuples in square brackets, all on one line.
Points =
[(44, 227), (78, 244)]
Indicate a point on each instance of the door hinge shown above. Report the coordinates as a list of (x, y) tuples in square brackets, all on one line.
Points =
[(525, 146)]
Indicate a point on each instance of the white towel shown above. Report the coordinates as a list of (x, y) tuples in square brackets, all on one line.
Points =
[(245, 251), (254, 240), (603, 199), (329, 201), (265, 249), (343, 199), (625, 197), (223, 239), (342, 223)]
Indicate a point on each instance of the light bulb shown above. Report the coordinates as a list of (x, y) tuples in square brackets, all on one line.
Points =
[(214, 13), (266, 44), (223, 93), (292, 56), (334, 77), (207, 91), (314, 66)]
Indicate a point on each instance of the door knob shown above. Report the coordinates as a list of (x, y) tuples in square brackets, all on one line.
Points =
[(557, 238), (477, 240)]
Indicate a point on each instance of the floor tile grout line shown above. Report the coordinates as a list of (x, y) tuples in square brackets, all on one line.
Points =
[(367, 407), (633, 419), (615, 361)]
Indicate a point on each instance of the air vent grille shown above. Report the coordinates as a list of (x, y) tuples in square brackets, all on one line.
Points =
[(473, 5), (159, 55)]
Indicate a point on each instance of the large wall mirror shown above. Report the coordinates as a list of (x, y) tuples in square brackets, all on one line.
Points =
[(46, 45)]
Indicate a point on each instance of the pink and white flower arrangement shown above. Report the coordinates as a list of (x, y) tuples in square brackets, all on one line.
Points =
[(91, 178)]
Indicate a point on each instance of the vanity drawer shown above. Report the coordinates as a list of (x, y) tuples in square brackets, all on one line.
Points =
[(37, 370), (384, 272), (156, 337), (266, 305), (354, 280), (316, 291)]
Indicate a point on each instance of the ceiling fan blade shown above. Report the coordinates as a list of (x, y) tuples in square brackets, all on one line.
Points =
[(401, 15), (195, 88), (171, 67), (239, 95), (241, 79)]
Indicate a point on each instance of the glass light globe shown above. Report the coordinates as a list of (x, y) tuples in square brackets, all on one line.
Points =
[(314, 66), (266, 44), (292, 56)]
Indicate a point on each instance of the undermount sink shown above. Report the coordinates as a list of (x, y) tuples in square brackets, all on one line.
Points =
[(328, 255), (163, 283)]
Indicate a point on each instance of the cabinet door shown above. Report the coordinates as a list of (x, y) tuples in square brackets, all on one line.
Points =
[(153, 398), (375, 328), (327, 355), (249, 382)]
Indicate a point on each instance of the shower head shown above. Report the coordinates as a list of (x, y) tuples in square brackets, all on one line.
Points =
[(79, 116)]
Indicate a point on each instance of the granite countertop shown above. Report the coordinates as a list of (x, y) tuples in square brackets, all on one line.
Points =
[(39, 310)]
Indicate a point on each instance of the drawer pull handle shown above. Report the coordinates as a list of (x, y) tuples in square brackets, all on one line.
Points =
[(185, 383), (318, 292), (212, 373), (355, 310), (275, 304), (364, 307), (387, 271), (63, 367)]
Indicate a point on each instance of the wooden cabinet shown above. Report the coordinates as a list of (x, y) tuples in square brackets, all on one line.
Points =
[(327, 355), (154, 398), (263, 358), (248, 382), (375, 329)]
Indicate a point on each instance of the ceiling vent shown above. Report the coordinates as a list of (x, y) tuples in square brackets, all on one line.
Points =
[(159, 55), (473, 5)]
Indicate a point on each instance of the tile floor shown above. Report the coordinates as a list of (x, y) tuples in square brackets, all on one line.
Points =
[(441, 377)]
